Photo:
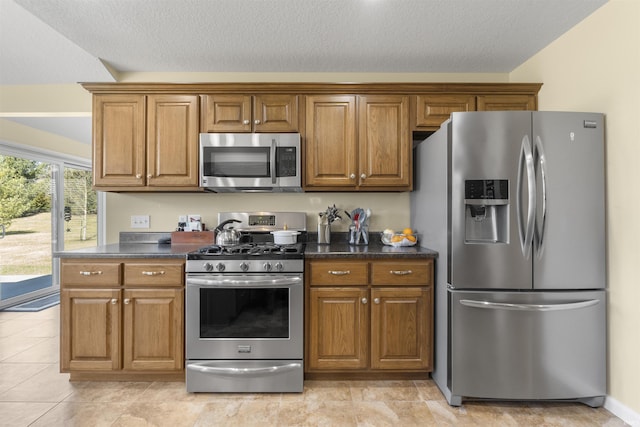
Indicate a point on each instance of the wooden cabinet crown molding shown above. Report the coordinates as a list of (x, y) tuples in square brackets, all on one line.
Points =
[(314, 88)]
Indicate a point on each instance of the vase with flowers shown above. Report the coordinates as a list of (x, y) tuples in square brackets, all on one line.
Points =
[(325, 219)]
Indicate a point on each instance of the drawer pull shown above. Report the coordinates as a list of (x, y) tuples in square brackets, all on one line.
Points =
[(153, 273), (364, 300), (401, 272), (376, 300), (90, 273), (127, 300), (339, 272), (114, 301)]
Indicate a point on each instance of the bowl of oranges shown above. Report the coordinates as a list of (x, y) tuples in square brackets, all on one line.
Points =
[(406, 238)]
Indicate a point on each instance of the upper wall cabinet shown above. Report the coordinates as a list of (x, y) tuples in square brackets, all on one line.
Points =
[(430, 111), (506, 102), (145, 143), (246, 113), (357, 143)]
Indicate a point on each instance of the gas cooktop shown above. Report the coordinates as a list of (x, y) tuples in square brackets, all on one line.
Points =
[(248, 251)]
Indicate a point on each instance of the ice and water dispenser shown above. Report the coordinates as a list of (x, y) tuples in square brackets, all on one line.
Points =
[(486, 211)]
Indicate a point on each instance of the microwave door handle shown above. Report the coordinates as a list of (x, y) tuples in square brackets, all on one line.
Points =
[(273, 161)]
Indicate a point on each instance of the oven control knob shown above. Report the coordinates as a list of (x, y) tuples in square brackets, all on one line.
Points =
[(208, 266), (220, 266), (279, 266), (244, 266), (267, 266)]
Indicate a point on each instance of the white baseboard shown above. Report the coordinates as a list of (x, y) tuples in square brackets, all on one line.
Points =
[(621, 411)]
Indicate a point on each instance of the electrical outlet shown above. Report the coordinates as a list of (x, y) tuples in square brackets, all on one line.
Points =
[(139, 221)]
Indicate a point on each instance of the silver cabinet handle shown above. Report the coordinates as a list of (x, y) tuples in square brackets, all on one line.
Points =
[(245, 122), (90, 273), (114, 301), (257, 122), (528, 307), (153, 273), (364, 300), (401, 272), (138, 175), (352, 176), (376, 300), (127, 300), (363, 176), (149, 176), (339, 272)]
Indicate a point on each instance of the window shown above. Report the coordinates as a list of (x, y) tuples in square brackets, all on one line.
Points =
[(46, 205)]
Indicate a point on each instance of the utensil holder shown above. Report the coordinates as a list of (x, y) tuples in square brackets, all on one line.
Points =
[(358, 236)]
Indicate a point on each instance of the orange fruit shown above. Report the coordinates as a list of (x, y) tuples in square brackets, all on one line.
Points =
[(397, 238), (411, 237), (407, 231)]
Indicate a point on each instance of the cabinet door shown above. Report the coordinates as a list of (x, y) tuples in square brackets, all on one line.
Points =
[(506, 102), (383, 141), (432, 110), (172, 140), (153, 325), (226, 113), (339, 328), (400, 328), (118, 140), (331, 141), (275, 113), (90, 336)]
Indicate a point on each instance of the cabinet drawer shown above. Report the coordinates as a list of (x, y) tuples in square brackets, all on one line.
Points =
[(90, 274), (402, 273), (154, 274), (334, 273)]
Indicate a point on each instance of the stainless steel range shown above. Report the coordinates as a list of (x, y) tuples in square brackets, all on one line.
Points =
[(244, 309)]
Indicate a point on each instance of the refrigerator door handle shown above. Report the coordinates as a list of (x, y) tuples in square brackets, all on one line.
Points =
[(526, 161), (540, 228), (529, 307)]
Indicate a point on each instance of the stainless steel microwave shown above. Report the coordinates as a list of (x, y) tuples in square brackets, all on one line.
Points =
[(250, 162)]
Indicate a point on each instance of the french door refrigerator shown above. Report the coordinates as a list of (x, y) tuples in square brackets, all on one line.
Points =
[(514, 202)]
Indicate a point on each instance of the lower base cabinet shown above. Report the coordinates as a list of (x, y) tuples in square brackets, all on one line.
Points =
[(120, 332), (369, 316)]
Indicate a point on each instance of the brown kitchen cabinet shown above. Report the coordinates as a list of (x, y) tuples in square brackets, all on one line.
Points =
[(430, 111), (358, 143), (506, 102), (116, 325), (369, 316), (250, 113), (145, 142)]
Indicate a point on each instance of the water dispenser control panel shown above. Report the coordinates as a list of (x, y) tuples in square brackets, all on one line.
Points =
[(486, 210)]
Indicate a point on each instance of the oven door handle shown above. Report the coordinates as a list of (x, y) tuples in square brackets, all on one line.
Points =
[(261, 282), (235, 372)]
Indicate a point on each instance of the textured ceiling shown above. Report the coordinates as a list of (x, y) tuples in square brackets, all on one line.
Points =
[(68, 41)]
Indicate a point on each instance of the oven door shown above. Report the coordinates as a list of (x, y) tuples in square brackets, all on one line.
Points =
[(240, 316)]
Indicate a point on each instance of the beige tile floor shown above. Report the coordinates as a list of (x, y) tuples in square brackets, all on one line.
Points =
[(34, 393)]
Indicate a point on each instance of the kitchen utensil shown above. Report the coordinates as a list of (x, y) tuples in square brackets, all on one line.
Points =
[(285, 237), (227, 236)]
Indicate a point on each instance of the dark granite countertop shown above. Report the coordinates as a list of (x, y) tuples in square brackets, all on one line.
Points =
[(375, 249), (145, 245), (131, 250)]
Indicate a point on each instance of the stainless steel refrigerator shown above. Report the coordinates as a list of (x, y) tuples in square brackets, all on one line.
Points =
[(515, 204)]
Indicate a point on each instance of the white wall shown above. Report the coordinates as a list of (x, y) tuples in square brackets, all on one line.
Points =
[(596, 67)]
